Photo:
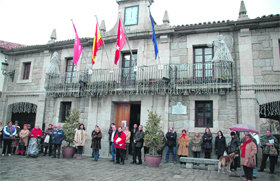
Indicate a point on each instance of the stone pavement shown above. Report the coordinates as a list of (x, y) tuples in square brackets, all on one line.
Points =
[(46, 168)]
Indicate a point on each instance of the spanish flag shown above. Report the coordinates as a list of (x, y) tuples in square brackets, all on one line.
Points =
[(97, 42)]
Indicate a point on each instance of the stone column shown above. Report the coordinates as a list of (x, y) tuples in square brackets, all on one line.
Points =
[(247, 98)]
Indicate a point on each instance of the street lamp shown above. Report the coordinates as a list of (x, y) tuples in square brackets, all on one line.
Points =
[(4, 69)]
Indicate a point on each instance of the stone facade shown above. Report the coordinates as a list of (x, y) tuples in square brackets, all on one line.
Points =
[(253, 44)]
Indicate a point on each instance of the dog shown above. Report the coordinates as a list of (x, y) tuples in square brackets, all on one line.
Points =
[(226, 160)]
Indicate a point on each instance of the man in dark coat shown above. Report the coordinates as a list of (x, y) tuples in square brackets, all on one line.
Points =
[(171, 138), (57, 138), (138, 141), (133, 148), (233, 147)]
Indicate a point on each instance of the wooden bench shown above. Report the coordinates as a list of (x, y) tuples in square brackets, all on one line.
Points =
[(212, 164)]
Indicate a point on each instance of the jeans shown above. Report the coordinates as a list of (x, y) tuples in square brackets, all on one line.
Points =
[(167, 153), (127, 150), (80, 150), (7, 145), (95, 154), (113, 151)]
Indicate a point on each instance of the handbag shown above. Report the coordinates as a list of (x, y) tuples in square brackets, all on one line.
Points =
[(251, 163), (273, 151)]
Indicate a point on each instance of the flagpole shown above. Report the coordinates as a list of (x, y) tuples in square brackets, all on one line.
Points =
[(151, 22), (103, 43), (127, 42)]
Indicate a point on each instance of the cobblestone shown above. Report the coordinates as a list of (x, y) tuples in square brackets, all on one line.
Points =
[(46, 168)]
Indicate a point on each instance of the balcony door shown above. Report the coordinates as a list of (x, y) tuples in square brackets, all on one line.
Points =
[(128, 63), (203, 66)]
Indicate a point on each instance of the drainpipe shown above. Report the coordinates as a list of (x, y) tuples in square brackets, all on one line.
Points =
[(236, 81)]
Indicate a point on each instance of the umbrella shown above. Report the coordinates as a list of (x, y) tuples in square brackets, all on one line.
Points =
[(243, 128)]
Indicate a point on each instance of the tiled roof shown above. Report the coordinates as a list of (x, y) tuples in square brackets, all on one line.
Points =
[(9, 45), (225, 21)]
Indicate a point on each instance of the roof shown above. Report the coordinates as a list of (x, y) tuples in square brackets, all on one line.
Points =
[(9, 45)]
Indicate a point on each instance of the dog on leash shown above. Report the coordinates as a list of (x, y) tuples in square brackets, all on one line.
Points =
[(226, 160)]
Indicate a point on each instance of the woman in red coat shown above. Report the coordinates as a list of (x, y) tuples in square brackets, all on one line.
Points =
[(36, 132), (119, 141)]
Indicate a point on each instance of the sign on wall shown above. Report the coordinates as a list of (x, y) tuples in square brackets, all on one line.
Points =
[(179, 108)]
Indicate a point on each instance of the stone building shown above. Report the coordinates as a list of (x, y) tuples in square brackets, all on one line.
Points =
[(211, 74)]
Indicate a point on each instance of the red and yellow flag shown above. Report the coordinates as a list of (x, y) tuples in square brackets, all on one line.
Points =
[(97, 42)]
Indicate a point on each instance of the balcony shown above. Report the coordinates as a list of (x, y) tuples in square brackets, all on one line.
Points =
[(142, 80)]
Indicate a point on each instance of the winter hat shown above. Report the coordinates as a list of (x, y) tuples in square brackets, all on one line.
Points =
[(232, 133)]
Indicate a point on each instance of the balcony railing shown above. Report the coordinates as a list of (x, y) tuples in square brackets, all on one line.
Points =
[(159, 79)]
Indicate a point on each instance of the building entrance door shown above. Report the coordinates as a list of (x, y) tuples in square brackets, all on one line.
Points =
[(129, 113)]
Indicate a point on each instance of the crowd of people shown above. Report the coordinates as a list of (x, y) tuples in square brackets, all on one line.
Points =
[(28, 142)]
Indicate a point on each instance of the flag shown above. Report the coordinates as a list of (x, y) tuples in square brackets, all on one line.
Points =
[(77, 47), (121, 40), (154, 36), (97, 42)]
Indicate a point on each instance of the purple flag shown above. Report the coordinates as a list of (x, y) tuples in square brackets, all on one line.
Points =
[(77, 47)]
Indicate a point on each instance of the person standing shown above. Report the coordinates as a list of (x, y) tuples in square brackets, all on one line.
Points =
[(132, 144), (9, 133), (171, 138), (183, 144), (23, 135), (57, 138), (1, 134), (15, 139), (196, 145), (80, 140), (119, 142), (163, 143), (96, 136), (112, 136), (48, 140), (138, 141), (269, 142), (233, 147), (207, 143), (109, 137), (127, 142), (248, 157), (220, 144)]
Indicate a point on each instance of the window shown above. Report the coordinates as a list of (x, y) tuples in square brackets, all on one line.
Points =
[(26, 70), (204, 114), (65, 108), (70, 71), (128, 64), (203, 67)]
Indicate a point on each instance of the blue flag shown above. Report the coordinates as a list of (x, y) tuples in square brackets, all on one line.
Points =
[(154, 36)]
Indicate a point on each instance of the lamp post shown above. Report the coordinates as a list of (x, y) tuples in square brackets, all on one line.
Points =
[(4, 69)]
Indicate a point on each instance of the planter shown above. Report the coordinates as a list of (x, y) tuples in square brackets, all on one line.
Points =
[(153, 160), (68, 152)]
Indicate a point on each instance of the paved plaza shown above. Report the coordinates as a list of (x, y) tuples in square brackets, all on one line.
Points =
[(46, 168)]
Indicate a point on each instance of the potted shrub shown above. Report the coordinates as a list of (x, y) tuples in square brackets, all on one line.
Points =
[(69, 128), (152, 139)]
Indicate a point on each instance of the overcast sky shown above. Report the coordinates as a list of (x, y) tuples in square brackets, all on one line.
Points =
[(30, 22)]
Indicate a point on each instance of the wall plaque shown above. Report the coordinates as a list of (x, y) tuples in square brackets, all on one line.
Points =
[(179, 108)]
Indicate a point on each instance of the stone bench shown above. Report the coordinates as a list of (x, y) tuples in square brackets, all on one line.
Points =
[(212, 164)]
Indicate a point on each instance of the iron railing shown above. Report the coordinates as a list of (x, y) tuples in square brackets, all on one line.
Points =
[(159, 79)]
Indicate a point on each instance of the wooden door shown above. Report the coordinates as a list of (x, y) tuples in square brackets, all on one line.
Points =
[(122, 114)]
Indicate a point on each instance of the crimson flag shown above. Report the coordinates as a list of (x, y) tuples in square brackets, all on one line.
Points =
[(121, 40)]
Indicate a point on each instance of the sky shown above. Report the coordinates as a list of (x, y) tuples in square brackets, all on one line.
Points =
[(30, 22)]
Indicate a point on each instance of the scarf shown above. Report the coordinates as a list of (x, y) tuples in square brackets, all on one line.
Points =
[(183, 135), (243, 147), (119, 134)]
